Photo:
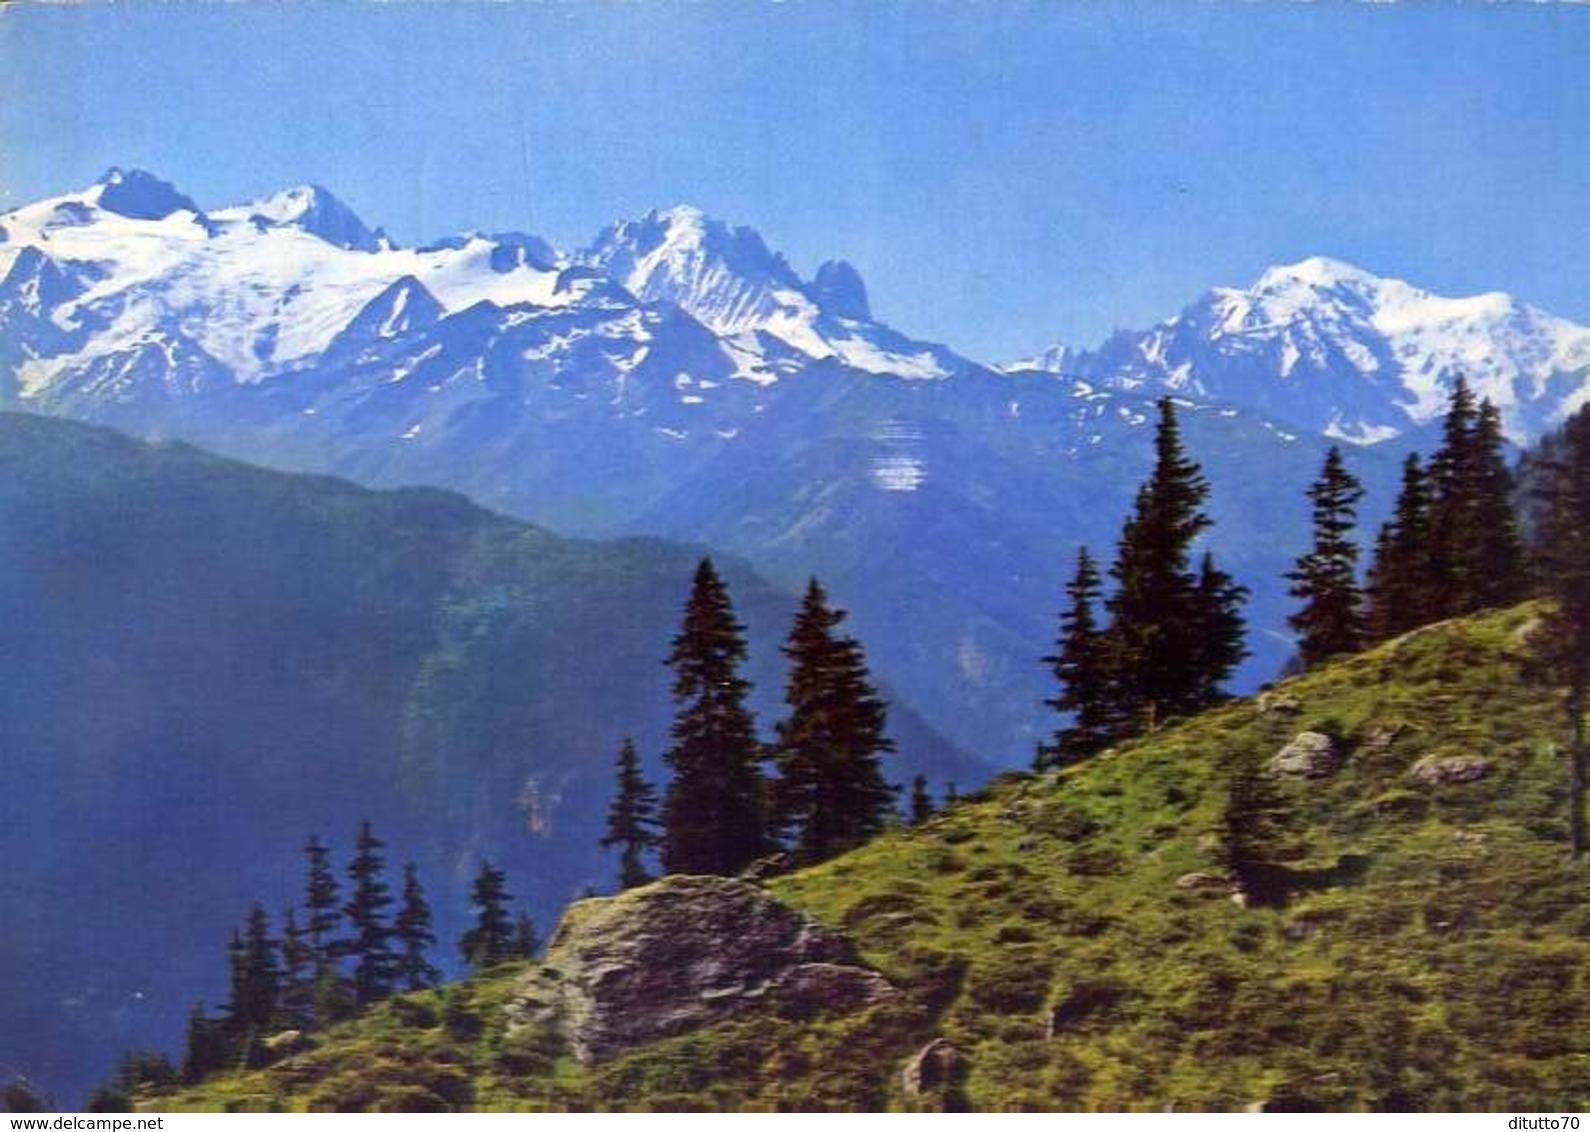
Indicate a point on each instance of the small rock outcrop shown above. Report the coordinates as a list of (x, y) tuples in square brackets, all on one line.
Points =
[(1440, 771), (1310, 755), (685, 952)]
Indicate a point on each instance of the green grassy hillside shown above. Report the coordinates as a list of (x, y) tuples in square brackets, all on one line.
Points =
[(1431, 953)]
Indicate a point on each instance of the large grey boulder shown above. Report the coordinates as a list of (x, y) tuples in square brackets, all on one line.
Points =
[(682, 953), (1311, 755)]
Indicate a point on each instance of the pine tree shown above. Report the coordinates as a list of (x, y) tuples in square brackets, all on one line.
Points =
[(204, 1047), (414, 936), (255, 985), (1326, 578), (297, 1000), (1496, 546), (1402, 591), (321, 902), (632, 819), (1562, 546), (1081, 666), (830, 792), (525, 941), (921, 800), (1161, 614), (1218, 642), (491, 939), (370, 947), (1453, 478), (713, 811)]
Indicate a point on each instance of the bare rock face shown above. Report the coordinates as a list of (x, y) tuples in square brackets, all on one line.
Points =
[(1432, 771), (1310, 755), (682, 953)]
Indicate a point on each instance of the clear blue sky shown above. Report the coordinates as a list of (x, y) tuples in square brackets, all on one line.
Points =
[(1004, 174)]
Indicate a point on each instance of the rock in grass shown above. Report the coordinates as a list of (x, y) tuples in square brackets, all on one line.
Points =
[(1310, 755), (1434, 771), (685, 952)]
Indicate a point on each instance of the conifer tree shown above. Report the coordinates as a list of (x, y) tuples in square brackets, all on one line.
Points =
[(1161, 614), (1402, 589), (491, 939), (370, 947), (1326, 578), (204, 1046), (921, 800), (1496, 546), (321, 904), (830, 793), (632, 819), (1218, 643), (1562, 546), (1453, 478), (255, 983), (713, 811), (1081, 665), (297, 1000), (414, 936), (525, 941)]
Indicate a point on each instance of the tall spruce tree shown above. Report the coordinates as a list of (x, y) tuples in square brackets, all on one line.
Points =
[(1326, 578), (204, 1048), (1562, 547), (1402, 591), (1453, 477), (1164, 662), (1496, 550), (714, 810), (322, 907), (1081, 665), (830, 794), (370, 947), (632, 819), (1220, 641), (256, 980), (525, 940), (491, 939), (296, 1003), (412, 929)]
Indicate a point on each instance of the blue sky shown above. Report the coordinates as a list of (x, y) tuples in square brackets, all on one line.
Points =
[(1004, 174)]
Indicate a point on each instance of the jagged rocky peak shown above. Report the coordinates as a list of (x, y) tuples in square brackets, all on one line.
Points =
[(725, 276), (838, 289), (141, 196), (313, 209)]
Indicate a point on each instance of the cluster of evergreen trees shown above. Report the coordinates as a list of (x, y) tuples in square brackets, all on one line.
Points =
[(1453, 546), (721, 811), (343, 955), (1173, 633)]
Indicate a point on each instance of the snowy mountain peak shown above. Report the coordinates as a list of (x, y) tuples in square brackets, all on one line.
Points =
[(1317, 272), (138, 195), (1329, 346), (726, 277), (312, 209)]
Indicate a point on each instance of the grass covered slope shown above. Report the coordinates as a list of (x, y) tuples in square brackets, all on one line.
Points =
[(1431, 953)]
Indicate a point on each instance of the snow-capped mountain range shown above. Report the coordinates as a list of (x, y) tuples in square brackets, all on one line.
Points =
[(677, 377), (1328, 346)]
